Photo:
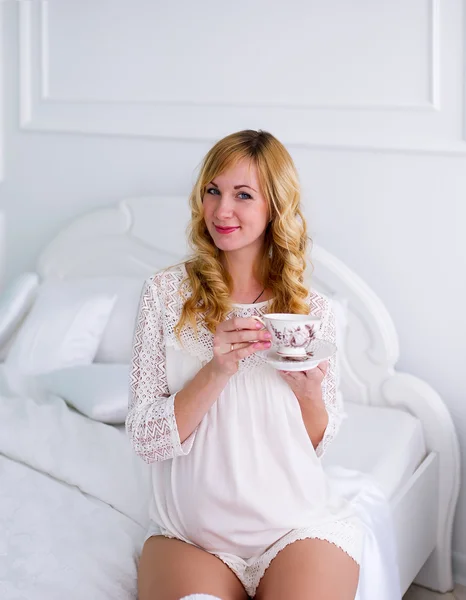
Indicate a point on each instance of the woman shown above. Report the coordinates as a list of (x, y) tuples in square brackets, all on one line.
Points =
[(241, 506)]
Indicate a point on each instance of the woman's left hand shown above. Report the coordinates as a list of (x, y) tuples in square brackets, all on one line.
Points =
[(306, 385)]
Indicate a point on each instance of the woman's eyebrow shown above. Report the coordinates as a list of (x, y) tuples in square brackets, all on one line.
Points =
[(236, 187), (243, 185)]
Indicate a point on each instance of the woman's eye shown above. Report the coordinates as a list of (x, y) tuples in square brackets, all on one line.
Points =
[(214, 190)]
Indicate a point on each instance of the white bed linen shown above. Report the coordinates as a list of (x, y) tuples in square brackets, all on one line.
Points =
[(15, 301), (99, 391), (73, 501), (58, 543), (77, 520), (41, 431), (386, 443)]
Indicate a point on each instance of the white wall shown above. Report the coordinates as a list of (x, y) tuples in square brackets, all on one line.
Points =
[(105, 100)]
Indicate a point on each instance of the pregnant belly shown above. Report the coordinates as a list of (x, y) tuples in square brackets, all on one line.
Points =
[(247, 481)]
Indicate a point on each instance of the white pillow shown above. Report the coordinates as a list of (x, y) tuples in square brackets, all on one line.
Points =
[(97, 391), (63, 329), (117, 340), (15, 302)]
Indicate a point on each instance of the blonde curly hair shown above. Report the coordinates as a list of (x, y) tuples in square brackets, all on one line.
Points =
[(285, 244)]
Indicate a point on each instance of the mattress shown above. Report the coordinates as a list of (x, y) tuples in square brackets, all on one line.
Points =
[(386, 443)]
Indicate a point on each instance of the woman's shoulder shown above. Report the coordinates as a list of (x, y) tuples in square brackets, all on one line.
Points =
[(167, 282), (319, 304)]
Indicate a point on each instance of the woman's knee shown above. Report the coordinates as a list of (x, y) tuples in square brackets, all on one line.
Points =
[(306, 569)]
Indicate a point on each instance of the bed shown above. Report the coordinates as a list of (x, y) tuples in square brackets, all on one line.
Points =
[(398, 430)]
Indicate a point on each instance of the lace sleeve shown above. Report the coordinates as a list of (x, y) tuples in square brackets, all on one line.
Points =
[(329, 384), (151, 423)]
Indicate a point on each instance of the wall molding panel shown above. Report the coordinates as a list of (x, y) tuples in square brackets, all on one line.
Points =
[(421, 122)]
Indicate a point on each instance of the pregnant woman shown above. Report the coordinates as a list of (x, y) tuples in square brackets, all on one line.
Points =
[(241, 505)]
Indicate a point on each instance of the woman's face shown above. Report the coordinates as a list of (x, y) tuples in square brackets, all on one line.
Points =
[(235, 211)]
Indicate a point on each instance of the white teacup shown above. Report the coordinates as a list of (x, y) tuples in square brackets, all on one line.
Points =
[(291, 334)]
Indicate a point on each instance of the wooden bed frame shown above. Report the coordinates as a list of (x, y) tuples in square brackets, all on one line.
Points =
[(141, 235)]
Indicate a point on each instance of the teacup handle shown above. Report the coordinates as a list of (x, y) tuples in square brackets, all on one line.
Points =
[(260, 321)]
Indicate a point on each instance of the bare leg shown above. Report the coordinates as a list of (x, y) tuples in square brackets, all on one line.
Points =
[(170, 569), (308, 569)]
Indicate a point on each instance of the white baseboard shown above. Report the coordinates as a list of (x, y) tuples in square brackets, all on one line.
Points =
[(459, 568)]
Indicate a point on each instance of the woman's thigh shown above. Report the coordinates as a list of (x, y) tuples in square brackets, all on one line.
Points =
[(170, 569), (307, 569)]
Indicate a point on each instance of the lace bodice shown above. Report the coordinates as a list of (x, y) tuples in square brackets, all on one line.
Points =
[(151, 422)]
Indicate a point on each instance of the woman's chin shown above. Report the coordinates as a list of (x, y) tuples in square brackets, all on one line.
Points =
[(225, 244), (227, 247)]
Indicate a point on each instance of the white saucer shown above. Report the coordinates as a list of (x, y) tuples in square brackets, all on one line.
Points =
[(321, 350)]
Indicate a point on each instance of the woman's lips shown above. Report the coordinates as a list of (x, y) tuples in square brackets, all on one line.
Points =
[(225, 229)]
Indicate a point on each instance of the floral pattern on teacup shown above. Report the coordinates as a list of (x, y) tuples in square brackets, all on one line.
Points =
[(297, 336)]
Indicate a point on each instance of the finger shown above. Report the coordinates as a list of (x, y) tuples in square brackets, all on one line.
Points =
[(246, 335), (285, 375), (223, 342), (226, 348), (258, 319), (243, 352), (239, 346), (295, 375), (311, 373), (323, 366), (222, 348), (238, 323), (292, 375), (251, 348)]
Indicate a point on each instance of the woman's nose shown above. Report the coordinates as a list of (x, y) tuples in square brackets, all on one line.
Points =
[(224, 208)]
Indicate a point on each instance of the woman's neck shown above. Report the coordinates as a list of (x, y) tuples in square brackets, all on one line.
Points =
[(247, 294), (247, 285)]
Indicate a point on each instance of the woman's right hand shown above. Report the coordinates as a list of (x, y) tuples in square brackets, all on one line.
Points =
[(235, 339)]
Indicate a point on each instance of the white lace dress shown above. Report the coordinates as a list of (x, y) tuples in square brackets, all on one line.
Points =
[(248, 481)]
